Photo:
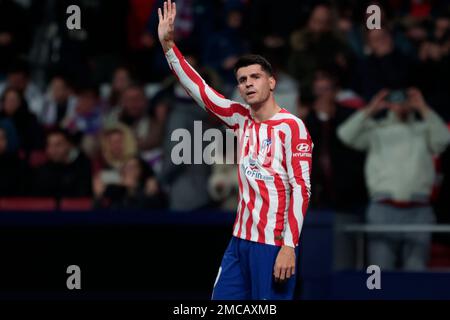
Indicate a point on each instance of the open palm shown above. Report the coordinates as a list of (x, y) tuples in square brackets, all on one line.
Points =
[(166, 23)]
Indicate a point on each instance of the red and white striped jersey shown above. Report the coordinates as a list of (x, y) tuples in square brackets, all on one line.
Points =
[(274, 164)]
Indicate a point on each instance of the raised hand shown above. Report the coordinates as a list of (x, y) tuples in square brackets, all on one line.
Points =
[(377, 103), (416, 101), (166, 25)]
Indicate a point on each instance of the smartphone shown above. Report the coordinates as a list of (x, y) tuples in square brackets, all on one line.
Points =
[(396, 96), (110, 177)]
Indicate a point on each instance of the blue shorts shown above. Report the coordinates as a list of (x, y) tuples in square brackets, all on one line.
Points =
[(246, 273)]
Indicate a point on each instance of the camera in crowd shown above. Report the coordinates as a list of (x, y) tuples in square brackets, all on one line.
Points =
[(397, 96)]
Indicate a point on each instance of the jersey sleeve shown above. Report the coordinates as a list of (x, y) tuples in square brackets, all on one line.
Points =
[(233, 114), (298, 148)]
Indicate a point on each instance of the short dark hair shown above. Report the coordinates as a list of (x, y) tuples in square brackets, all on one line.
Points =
[(332, 74), (89, 89), (23, 101), (57, 131), (62, 77), (249, 59)]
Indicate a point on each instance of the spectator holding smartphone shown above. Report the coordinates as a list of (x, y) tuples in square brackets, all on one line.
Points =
[(399, 172)]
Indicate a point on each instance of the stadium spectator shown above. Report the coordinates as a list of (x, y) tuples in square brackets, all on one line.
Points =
[(223, 184), (133, 112), (18, 78), (136, 189), (351, 26), (67, 172), (118, 145), (337, 170), (141, 42), (120, 82), (384, 67), (14, 107), (105, 24), (433, 72), (270, 26), (59, 104), (151, 151), (197, 20), (87, 114), (86, 119), (13, 171), (317, 46), (399, 172), (186, 185), (224, 47)]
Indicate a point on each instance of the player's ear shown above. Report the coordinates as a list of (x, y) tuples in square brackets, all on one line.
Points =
[(272, 83)]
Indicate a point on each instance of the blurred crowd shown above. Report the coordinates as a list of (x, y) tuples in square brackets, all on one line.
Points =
[(90, 112)]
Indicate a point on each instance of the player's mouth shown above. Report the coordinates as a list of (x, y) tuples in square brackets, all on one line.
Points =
[(251, 94)]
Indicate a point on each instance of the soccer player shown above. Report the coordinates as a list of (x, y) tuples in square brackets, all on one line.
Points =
[(275, 165)]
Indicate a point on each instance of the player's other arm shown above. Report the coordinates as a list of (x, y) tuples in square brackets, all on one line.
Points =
[(298, 162), (231, 113), (298, 153)]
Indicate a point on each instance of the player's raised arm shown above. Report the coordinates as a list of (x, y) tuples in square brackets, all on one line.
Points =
[(233, 114), (166, 25)]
